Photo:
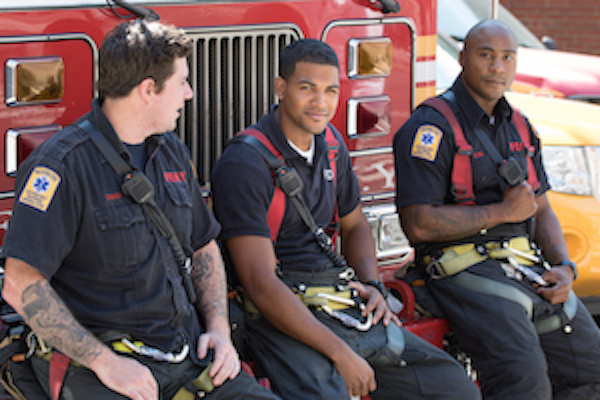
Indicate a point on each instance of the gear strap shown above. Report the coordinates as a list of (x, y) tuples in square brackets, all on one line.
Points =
[(59, 363), (139, 188), (490, 287), (288, 183), (462, 171)]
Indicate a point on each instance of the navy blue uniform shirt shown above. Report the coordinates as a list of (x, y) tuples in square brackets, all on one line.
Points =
[(102, 255), (428, 181), (242, 186)]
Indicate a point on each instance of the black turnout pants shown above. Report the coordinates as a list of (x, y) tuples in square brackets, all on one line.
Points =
[(296, 371), (512, 360), (82, 383)]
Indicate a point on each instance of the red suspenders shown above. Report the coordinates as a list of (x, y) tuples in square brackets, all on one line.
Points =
[(278, 203), (462, 172)]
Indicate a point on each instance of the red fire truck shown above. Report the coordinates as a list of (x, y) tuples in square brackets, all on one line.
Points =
[(386, 48)]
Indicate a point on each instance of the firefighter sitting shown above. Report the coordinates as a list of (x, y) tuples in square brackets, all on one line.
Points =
[(471, 195), (310, 327), (105, 287)]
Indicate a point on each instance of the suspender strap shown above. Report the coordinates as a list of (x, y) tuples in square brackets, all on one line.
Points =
[(462, 173), (333, 147), (57, 371), (520, 124), (108, 151), (139, 188), (274, 159), (290, 184)]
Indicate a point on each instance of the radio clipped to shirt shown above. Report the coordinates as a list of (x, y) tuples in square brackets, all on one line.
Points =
[(511, 171)]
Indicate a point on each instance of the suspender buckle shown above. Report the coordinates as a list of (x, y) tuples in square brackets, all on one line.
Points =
[(435, 269)]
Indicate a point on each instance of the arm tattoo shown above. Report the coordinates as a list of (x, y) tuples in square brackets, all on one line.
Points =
[(209, 281), (452, 222), (48, 317)]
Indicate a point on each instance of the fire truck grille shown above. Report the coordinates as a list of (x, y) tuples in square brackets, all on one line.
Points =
[(231, 73)]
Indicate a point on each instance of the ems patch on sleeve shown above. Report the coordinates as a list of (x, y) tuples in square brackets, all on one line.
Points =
[(426, 142), (40, 188)]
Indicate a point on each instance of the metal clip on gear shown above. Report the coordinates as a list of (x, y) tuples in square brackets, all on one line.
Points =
[(157, 354), (346, 319), (350, 321)]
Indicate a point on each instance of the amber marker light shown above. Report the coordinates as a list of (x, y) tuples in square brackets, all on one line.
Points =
[(34, 80), (368, 58), (369, 116)]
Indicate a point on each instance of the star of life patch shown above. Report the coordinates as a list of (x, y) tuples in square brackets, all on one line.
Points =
[(40, 188), (427, 142)]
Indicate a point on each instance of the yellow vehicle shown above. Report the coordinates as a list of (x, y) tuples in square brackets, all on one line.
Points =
[(570, 134)]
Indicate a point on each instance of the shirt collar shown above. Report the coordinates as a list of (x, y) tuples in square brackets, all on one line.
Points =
[(475, 114)]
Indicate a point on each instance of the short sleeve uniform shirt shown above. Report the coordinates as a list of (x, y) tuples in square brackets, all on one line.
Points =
[(242, 185), (99, 250), (424, 177)]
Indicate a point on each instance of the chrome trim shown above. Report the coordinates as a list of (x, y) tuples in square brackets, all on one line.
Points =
[(378, 196), (352, 122), (232, 70), (371, 152), (59, 37), (10, 163), (376, 21), (7, 195), (376, 214), (353, 56), (11, 144)]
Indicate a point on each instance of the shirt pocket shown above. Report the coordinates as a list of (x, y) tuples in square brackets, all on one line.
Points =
[(179, 210), (124, 235)]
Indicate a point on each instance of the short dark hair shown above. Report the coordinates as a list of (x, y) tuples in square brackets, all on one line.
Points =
[(308, 50), (136, 50)]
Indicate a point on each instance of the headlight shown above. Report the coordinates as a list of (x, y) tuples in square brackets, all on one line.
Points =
[(593, 157), (568, 169)]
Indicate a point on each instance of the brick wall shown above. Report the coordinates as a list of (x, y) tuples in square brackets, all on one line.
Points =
[(574, 24)]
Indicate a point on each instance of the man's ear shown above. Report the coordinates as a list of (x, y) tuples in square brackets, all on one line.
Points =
[(146, 89), (280, 85), (460, 57)]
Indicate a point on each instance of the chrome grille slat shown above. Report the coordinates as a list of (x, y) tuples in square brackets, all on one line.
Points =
[(231, 73)]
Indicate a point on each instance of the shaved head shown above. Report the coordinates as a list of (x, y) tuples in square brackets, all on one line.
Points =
[(488, 59), (488, 27)]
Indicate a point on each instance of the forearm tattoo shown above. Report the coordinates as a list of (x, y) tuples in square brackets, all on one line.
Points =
[(451, 222), (50, 319), (209, 280)]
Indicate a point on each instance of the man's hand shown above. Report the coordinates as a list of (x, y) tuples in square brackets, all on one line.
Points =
[(357, 373), (561, 280), (126, 376), (519, 202), (375, 303), (226, 362)]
